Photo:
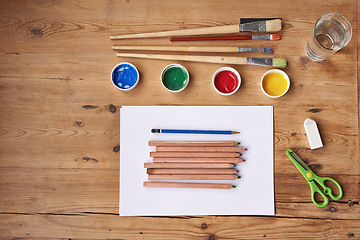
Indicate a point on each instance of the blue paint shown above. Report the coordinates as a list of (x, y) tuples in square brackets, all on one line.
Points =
[(125, 76)]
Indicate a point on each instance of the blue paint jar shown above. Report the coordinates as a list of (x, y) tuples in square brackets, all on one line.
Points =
[(125, 76)]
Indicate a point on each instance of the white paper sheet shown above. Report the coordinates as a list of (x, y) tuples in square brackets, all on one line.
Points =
[(254, 194)]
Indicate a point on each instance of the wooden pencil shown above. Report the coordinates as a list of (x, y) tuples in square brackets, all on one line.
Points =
[(195, 154), (188, 165), (193, 143), (197, 160), (200, 149), (192, 171), (193, 177), (188, 185)]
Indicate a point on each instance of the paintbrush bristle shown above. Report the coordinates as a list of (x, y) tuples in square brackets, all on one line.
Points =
[(273, 25), (279, 62), (275, 37)]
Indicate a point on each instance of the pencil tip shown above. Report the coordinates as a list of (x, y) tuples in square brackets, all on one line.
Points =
[(233, 186), (244, 160), (246, 149), (155, 130), (234, 132), (234, 165), (239, 177), (237, 171)]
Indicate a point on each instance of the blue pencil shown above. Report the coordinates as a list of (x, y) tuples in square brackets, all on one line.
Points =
[(183, 131)]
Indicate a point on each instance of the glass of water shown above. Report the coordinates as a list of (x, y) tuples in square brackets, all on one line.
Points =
[(331, 33)]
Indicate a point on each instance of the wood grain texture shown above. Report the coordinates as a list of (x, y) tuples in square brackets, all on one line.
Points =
[(59, 117), (202, 228)]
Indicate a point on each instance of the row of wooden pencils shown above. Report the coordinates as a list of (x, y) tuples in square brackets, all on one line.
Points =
[(193, 160)]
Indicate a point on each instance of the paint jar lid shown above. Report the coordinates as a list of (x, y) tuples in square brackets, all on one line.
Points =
[(275, 83), (226, 81), (125, 76), (175, 78)]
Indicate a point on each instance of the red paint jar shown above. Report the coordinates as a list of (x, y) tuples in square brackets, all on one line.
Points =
[(226, 81)]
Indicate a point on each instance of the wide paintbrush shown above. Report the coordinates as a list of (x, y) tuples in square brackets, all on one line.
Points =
[(259, 26), (270, 62), (195, 49)]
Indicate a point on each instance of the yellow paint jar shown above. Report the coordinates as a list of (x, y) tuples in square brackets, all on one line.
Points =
[(275, 83)]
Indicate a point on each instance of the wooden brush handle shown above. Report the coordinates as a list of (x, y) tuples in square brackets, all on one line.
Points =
[(186, 32), (209, 59), (178, 48), (212, 38)]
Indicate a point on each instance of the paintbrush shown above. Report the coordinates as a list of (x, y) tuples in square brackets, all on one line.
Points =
[(259, 26), (271, 37), (195, 49), (270, 62)]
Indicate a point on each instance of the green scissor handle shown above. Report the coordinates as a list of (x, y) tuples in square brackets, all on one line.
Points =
[(315, 189), (326, 190)]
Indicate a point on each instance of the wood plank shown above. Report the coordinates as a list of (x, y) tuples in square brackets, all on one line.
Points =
[(77, 191), (358, 64), (68, 133), (82, 152), (41, 143), (66, 191), (51, 27), (93, 84), (90, 226)]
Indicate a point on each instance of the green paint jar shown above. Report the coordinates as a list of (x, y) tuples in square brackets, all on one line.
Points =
[(175, 78)]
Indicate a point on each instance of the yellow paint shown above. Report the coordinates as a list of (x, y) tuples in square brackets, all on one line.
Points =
[(274, 84), (309, 175)]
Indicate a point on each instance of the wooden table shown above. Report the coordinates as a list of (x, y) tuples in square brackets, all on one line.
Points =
[(59, 113)]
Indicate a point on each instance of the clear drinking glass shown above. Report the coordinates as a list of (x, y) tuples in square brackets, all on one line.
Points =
[(331, 33)]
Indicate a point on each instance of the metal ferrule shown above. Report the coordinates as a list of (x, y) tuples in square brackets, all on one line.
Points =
[(265, 37), (250, 49), (260, 61), (259, 26)]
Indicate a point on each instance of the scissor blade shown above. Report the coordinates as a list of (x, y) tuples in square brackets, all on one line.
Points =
[(299, 161)]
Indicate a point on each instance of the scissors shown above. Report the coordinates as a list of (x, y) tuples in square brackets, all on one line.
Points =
[(315, 180)]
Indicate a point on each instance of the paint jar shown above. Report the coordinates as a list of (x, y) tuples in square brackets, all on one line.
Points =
[(226, 81), (125, 76), (275, 83), (174, 78)]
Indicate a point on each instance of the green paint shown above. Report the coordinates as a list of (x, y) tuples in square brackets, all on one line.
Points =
[(175, 78)]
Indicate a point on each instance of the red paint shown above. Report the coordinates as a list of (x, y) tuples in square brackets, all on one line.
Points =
[(226, 81)]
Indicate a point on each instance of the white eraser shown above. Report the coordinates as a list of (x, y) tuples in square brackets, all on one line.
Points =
[(312, 133)]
